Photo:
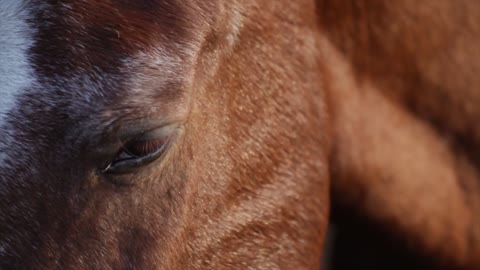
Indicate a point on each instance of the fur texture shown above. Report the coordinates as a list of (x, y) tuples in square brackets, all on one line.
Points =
[(16, 74), (244, 183), (403, 90), (274, 98)]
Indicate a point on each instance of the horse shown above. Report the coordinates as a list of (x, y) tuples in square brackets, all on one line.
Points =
[(215, 134), (161, 135)]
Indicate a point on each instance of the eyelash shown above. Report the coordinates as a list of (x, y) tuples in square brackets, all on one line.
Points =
[(139, 148), (139, 152)]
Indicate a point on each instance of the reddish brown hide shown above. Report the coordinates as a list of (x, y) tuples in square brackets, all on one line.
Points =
[(274, 97), (244, 185), (403, 86)]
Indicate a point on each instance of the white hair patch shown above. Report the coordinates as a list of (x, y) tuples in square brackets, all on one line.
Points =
[(16, 74)]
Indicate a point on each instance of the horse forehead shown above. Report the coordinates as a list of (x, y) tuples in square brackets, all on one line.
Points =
[(87, 47), (78, 38), (105, 50), (67, 55)]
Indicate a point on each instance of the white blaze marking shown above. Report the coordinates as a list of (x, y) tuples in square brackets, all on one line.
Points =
[(16, 38)]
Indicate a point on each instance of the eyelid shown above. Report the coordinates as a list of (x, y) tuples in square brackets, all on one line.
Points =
[(128, 165), (159, 132)]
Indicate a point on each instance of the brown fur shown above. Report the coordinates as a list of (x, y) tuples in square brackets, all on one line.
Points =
[(403, 89), (245, 186), (274, 98)]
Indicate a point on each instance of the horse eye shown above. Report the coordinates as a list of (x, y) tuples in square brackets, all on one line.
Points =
[(141, 150)]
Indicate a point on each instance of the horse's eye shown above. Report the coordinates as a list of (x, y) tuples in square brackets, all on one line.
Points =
[(141, 150)]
